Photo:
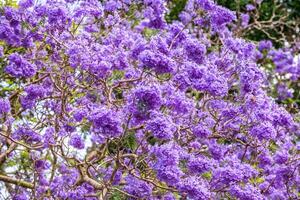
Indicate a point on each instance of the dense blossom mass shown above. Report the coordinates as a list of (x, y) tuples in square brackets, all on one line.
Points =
[(108, 100)]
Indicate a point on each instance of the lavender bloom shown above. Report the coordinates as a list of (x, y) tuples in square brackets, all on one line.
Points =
[(245, 19), (201, 131), (79, 115), (199, 165), (195, 188), (26, 3), (137, 187), (221, 16), (149, 109), (49, 136), (248, 192), (33, 92), (283, 92), (144, 100), (158, 62), (195, 51), (250, 7), (265, 45), (160, 127), (106, 123), (41, 165), (27, 134), (19, 67), (263, 131), (76, 141), (1, 52), (4, 106)]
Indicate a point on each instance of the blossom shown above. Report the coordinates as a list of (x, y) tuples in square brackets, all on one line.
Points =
[(76, 141), (27, 134), (250, 7), (106, 123), (265, 45), (107, 98), (137, 187), (195, 188), (19, 67), (33, 92), (199, 165), (160, 127), (144, 100), (156, 61), (4, 106), (195, 51)]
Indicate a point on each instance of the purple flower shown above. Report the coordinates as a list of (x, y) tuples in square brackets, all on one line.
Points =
[(41, 165), (49, 136), (76, 141), (199, 165), (281, 157), (112, 5), (26, 3), (203, 79), (263, 131), (33, 92), (106, 123), (27, 134), (19, 67), (221, 16), (79, 115), (169, 196), (168, 110), (201, 131), (225, 176), (4, 106), (245, 19), (137, 187), (265, 45), (159, 62), (116, 178), (283, 92), (250, 7), (195, 188), (264, 160), (170, 174), (160, 127), (22, 196), (195, 51), (246, 192), (144, 100), (1, 52)]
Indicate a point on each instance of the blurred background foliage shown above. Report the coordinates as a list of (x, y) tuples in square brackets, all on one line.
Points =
[(274, 20)]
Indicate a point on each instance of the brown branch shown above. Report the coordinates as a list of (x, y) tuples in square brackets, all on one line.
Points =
[(5, 154), (38, 146), (14, 181)]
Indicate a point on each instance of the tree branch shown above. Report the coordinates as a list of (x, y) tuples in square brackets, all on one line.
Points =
[(18, 182)]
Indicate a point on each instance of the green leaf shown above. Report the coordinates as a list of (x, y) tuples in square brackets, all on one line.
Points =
[(148, 33), (11, 163), (207, 175), (116, 195), (151, 140), (116, 75), (257, 180), (25, 154), (177, 7), (130, 140)]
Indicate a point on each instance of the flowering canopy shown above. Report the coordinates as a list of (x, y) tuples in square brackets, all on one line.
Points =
[(106, 100)]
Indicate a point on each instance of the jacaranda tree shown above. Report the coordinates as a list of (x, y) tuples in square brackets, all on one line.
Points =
[(136, 99)]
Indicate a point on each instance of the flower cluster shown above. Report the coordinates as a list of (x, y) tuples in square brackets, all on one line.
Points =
[(108, 100)]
